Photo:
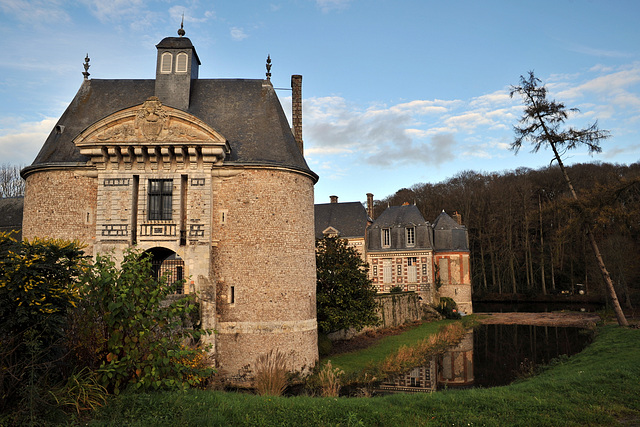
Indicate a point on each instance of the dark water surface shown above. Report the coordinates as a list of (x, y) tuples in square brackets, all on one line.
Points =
[(493, 355), (503, 353), (534, 307)]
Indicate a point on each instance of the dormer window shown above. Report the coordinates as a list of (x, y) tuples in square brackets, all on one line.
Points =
[(386, 237), (410, 235), (181, 62), (166, 63)]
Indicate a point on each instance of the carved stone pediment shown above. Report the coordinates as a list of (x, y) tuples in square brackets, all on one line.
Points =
[(151, 133)]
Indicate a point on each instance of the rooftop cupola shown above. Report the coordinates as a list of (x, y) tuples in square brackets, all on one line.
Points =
[(177, 66)]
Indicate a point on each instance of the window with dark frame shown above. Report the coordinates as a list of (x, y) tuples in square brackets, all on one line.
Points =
[(160, 199)]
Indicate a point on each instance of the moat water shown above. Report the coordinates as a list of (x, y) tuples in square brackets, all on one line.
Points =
[(493, 355)]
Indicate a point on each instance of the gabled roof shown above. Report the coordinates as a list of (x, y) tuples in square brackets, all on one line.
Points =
[(349, 219), (399, 216), (246, 112)]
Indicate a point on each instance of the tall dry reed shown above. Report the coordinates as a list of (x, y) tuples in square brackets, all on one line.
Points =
[(330, 380), (271, 373)]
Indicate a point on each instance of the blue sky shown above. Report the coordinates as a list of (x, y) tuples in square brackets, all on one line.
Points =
[(395, 92)]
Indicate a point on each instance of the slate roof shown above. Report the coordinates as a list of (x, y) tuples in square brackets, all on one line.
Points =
[(449, 235), (399, 216), (350, 219), (245, 111), (11, 215)]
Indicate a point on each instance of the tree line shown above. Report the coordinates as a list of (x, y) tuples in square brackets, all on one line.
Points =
[(526, 232)]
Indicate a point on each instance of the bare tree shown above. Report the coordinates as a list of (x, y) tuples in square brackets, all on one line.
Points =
[(541, 125), (11, 184)]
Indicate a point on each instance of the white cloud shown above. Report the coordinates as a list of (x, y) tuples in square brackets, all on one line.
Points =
[(612, 87), (329, 5), (490, 100), (20, 145), (117, 10), (35, 12), (238, 34)]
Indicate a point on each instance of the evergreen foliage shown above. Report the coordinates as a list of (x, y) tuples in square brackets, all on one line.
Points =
[(345, 294)]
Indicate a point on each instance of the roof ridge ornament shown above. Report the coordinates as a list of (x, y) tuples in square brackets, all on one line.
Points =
[(86, 65), (268, 73), (181, 31)]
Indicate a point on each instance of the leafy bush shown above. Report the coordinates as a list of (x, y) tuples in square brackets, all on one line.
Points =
[(37, 287), (448, 308), (324, 345), (395, 290), (126, 328)]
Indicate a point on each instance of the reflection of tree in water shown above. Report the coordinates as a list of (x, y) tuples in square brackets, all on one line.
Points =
[(505, 352)]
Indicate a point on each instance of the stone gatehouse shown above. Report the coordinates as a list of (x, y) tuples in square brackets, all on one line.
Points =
[(208, 176)]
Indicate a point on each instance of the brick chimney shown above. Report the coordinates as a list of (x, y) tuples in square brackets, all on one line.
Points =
[(370, 205), (334, 199), (457, 217), (296, 107)]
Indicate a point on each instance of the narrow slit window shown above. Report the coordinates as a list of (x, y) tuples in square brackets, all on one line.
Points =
[(232, 295)]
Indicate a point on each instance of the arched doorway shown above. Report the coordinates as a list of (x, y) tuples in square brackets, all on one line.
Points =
[(166, 262)]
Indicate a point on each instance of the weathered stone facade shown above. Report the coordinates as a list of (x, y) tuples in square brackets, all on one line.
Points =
[(204, 172)]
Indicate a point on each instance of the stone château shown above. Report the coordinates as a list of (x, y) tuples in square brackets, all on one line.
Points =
[(208, 177)]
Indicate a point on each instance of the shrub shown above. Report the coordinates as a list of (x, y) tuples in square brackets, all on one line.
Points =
[(37, 287), (271, 373), (81, 391), (448, 308), (324, 345), (127, 330), (395, 290)]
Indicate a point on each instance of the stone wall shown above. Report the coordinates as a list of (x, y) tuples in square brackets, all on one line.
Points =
[(398, 309), (394, 310), (60, 204), (264, 268)]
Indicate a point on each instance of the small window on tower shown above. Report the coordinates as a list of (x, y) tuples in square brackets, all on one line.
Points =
[(166, 63), (181, 63)]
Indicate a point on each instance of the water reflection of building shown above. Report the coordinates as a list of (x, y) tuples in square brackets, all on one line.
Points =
[(451, 369), (455, 367), (421, 379)]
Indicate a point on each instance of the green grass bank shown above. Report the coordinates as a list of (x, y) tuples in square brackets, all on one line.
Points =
[(599, 386)]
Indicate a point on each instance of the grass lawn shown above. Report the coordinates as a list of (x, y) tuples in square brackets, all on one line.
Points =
[(599, 386), (355, 361)]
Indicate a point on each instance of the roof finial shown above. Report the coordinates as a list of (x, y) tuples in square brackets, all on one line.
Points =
[(268, 67), (86, 65), (181, 31)]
